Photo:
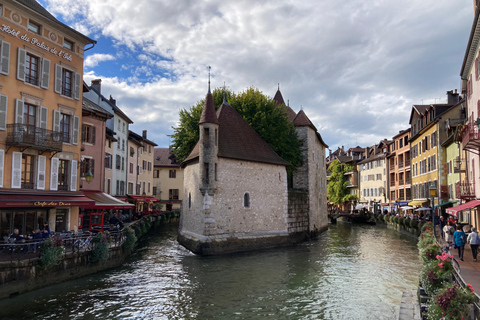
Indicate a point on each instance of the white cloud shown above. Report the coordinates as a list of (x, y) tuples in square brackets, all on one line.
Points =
[(94, 59), (353, 66)]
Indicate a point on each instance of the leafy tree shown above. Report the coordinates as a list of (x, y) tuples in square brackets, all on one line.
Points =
[(258, 110), (337, 185)]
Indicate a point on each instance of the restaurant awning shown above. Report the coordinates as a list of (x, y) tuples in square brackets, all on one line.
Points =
[(44, 201), (417, 203), (468, 205), (105, 201), (445, 203)]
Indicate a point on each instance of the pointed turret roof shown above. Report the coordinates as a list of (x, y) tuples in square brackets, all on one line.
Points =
[(301, 120), (278, 98), (208, 112), (237, 140)]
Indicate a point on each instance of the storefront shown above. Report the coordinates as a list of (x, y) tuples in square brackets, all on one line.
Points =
[(28, 212), (143, 204)]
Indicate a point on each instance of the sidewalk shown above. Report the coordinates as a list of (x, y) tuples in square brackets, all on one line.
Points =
[(469, 269)]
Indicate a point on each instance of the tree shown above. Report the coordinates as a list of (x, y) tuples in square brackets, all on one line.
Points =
[(259, 111), (337, 185)]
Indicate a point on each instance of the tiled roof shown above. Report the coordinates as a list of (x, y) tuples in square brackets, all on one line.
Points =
[(163, 158), (237, 140), (208, 111), (93, 107), (301, 120)]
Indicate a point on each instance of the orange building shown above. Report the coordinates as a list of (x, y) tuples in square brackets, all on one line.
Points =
[(41, 69), (399, 173)]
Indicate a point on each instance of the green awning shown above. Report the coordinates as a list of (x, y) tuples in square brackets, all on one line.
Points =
[(445, 203)]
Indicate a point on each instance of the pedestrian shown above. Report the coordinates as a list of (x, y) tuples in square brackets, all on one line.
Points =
[(474, 240), (442, 224), (448, 231), (452, 221), (459, 239)]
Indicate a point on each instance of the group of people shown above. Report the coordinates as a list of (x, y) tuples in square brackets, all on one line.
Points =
[(454, 234), (36, 234)]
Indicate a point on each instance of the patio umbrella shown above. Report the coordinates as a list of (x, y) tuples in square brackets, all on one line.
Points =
[(359, 206), (423, 209), (406, 208)]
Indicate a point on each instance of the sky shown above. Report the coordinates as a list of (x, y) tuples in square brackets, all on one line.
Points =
[(355, 67)]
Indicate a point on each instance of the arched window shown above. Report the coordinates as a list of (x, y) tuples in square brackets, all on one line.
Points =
[(246, 200), (189, 200)]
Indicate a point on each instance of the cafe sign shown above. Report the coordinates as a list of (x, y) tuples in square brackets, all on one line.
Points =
[(34, 41), (51, 204)]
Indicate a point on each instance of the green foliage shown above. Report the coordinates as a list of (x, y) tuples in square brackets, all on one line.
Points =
[(337, 185), (350, 197), (50, 254), (130, 239), (414, 223), (101, 246), (258, 110)]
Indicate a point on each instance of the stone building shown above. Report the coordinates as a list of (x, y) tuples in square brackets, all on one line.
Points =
[(236, 193)]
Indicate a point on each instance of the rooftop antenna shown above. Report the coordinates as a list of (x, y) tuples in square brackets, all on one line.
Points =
[(209, 68)]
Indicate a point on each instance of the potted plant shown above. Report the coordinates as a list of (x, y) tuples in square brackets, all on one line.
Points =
[(451, 302)]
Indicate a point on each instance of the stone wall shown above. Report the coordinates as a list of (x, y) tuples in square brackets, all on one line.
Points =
[(298, 212)]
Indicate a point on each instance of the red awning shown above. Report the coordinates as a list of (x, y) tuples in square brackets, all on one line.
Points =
[(454, 210), (106, 201), (45, 201)]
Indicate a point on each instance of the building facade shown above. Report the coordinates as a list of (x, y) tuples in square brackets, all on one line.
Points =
[(167, 179), (41, 70), (399, 172)]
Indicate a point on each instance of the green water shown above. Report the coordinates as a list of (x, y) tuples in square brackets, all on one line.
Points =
[(350, 272)]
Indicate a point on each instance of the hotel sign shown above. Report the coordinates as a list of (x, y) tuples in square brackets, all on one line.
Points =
[(34, 41)]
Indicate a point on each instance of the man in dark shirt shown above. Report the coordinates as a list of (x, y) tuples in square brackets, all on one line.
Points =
[(15, 235)]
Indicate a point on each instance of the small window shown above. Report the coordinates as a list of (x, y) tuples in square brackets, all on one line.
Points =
[(246, 200), (34, 27), (172, 174), (68, 44), (189, 200)]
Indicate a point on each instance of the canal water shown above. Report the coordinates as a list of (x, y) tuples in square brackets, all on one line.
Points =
[(351, 272)]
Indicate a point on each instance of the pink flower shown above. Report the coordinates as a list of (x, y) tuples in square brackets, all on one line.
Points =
[(440, 265), (470, 287)]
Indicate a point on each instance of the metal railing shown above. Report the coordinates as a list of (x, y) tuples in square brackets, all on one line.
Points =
[(23, 135)]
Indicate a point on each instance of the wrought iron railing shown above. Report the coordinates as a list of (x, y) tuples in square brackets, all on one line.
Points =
[(465, 190), (23, 135)]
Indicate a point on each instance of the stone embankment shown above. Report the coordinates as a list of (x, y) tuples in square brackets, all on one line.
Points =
[(23, 272)]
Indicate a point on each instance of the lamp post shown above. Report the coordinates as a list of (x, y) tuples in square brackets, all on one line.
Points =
[(144, 200), (433, 192)]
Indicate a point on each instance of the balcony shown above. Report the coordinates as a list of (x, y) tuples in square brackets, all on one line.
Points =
[(470, 136), (465, 190), (459, 166), (27, 136), (400, 164)]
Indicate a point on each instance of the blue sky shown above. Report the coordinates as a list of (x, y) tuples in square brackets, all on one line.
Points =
[(355, 67)]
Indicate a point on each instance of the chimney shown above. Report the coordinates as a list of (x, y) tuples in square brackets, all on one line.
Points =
[(144, 134), (97, 85), (113, 101), (453, 98)]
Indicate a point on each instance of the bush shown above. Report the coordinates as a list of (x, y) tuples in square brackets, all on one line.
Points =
[(130, 240), (414, 224), (101, 246), (50, 253), (451, 302)]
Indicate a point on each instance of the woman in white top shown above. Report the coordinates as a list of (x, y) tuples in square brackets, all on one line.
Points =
[(448, 231), (474, 241)]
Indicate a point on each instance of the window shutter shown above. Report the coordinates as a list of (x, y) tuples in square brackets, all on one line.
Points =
[(84, 128), (2, 161), (43, 117), (42, 161), (54, 174), (22, 54), (45, 73), (76, 125), (73, 176), (78, 86), (93, 135), (4, 57), (3, 111), (16, 170), (58, 78), (19, 111), (56, 120)]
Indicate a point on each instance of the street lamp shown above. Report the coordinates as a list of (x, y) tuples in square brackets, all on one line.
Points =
[(88, 176), (433, 192), (144, 195)]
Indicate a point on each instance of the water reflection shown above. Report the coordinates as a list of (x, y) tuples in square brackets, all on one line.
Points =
[(351, 272)]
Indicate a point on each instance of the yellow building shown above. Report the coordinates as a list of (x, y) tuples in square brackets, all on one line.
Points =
[(168, 179), (41, 69), (425, 151)]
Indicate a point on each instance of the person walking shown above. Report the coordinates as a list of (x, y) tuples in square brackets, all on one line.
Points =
[(448, 231), (459, 239), (474, 240), (442, 225)]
